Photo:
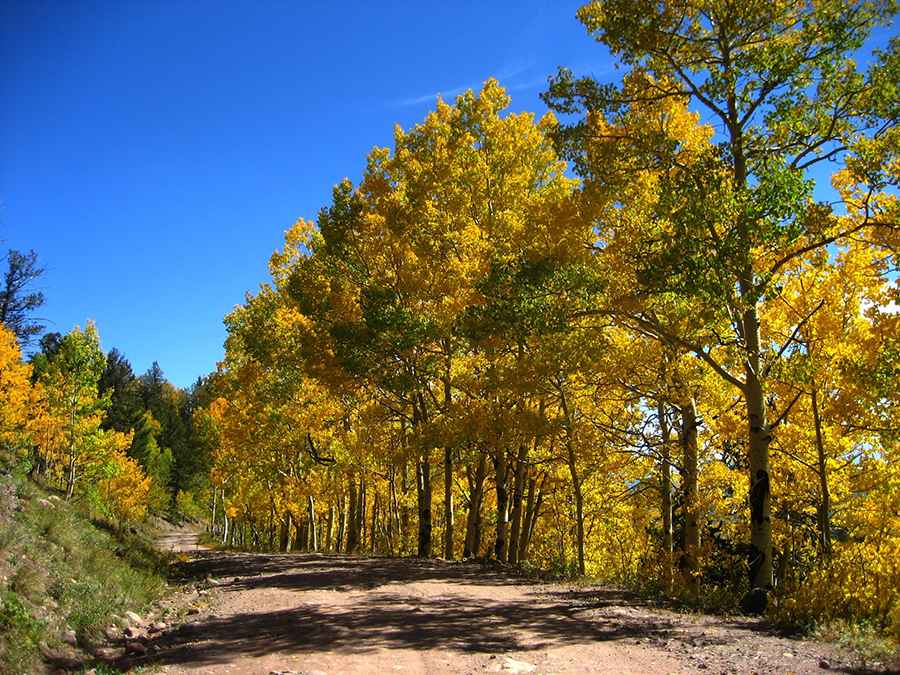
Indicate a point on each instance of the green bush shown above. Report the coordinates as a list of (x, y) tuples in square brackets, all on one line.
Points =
[(20, 634)]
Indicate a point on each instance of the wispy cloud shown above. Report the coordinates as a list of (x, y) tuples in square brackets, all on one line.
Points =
[(505, 74), (443, 93)]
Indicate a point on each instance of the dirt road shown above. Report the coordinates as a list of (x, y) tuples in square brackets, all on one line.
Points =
[(339, 614)]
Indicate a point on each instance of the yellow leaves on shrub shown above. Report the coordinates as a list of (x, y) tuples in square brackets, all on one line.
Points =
[(15, 389), (127, 491)]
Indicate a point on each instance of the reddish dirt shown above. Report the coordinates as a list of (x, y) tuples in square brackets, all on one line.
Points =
[(302, 613)]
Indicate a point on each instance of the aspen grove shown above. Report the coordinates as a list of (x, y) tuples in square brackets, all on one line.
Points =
[(626, 342)]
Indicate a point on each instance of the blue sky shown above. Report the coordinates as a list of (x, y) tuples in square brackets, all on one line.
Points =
[(153, 153)]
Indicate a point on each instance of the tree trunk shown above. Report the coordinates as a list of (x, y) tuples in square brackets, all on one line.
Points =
[(70, 481), (691, 515), (448, 504), (329, 533), (424, 494), (286, 526), (361, 514), (531, 515), (824, 511), (395, 530), (352, 527), (374, 529), (760, 493), (666, 491), (405, 509), (501, 474), (473, 518), (448, 466), (212, 517), (313, 535), (517, 499), (342, 524), (571, 460)]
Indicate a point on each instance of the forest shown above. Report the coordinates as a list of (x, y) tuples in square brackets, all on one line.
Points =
[(650, 337)]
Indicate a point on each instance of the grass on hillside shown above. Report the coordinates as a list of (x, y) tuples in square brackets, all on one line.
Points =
[(60, 570)]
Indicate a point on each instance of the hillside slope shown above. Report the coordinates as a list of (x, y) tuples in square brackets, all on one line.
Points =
[(65, 578)]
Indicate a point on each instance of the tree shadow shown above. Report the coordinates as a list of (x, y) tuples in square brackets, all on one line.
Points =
[(387, 615), (294, 571), (392, 621)]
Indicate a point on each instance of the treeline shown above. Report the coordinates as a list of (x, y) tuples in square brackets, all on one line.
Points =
[(678, 369), (81, 421)]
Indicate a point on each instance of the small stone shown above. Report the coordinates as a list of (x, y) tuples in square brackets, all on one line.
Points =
[(136, 647), (111, 633), (235, 580), (109, 653), (514, 666), (824, 665), (134, 618), (70, 638), (43, 503), (788, 655), (193, 610), (158, 627), (202, 592)]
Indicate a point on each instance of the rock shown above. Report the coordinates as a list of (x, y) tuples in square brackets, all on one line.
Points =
[(236, 580), (511, 665), (43, 503), (136, 647), (134, 618), (158, 626), (112, 633), (109, 653), (193, 610), (61, 659), (788, 655), (203, 592), (824, 665), (132, 632), (70, 638)]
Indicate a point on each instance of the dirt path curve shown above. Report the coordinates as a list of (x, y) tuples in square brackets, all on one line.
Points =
[(180, 540), (300, 613)]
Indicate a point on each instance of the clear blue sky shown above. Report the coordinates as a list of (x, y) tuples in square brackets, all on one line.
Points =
[(153, 153)]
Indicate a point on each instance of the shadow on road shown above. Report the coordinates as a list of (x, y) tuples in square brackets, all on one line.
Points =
[(246, 571), (389, 618)]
